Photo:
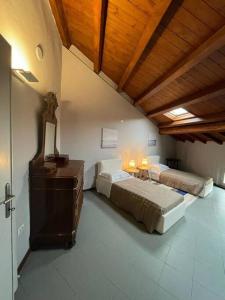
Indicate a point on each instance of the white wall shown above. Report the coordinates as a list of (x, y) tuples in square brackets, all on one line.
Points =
[(88, 105), (26, 104), (25, 24), (204, 159)]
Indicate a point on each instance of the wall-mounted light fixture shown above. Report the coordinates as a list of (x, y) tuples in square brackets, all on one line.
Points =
[(20, 65), (25, 74)]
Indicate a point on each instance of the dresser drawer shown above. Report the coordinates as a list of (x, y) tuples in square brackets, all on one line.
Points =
[(59, 183)]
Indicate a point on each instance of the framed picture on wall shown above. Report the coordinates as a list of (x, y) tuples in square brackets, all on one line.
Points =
[(151, 142), (109, 138)]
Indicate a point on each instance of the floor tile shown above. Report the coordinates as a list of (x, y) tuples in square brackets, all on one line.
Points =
[(176, 283), (181, 262), (211, 277), (199, 292)]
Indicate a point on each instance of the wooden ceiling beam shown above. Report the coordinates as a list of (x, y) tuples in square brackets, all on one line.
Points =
[(179, 138), (219, 135), (209, 118), (100, 15), (154, 20), (60, 19), (190, 138), (214, 138), (202, 95), (201, 137), (200, 128), (215, 42)]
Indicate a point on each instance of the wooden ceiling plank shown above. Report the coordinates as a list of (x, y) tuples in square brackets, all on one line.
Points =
[(209, 118), (60, 19), (152, 25), (100, 15), (216, 41), (200, 128), (200, 96)]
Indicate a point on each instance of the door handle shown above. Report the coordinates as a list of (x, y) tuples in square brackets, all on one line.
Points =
[(8, 201), (8, 206)]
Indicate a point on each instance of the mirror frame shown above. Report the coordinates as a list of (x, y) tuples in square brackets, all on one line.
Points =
[(49, 116)]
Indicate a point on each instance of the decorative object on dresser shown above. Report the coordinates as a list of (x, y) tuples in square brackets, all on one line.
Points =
[(56, 188)]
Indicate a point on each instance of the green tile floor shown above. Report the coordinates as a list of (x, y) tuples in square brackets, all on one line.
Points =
[(116, 259)]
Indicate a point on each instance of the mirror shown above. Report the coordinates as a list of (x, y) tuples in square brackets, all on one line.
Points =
[(47, 143), (50, 132)]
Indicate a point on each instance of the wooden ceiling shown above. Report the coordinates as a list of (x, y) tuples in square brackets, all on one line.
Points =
[(164, 54)]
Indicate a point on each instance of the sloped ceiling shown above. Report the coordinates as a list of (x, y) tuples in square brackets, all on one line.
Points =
[(164, 54)]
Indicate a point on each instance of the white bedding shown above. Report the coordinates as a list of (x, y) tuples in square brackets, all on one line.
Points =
[(155, 171), (115, 176)]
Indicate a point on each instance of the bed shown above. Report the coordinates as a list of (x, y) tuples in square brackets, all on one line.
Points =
[(156, 206), (185, 181)]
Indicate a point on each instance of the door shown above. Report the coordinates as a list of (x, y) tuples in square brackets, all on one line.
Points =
[(6, 267)]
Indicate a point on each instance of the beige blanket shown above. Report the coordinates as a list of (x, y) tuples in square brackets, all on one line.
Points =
[(184, 181), (144, 200)]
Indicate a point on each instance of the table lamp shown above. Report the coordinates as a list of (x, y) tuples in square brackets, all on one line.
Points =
[(132, 164), (144, 162)]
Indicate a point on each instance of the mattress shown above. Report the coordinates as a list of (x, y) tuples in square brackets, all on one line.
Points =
[(144, 200), (161, 198), (188, 182)]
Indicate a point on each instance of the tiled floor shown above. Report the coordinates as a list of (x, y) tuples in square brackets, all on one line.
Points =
[(116, 259)]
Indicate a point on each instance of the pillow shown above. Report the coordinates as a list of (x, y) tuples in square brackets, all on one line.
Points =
[(163, 167), (158, 168), (109, 166), (116, 176)]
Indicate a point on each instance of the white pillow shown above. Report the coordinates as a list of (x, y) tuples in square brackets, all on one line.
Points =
[(115, 176), (158, 168), (109, 165)]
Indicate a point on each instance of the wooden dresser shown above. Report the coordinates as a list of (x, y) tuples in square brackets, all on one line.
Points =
[(56, 188), (55, 205)]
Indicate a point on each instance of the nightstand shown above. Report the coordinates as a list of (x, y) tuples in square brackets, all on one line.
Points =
[(143, 172), (133, 171)]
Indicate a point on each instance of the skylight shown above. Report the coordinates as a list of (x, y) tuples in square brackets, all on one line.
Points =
[(178, 112)]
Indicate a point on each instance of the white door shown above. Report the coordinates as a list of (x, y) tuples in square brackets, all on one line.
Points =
[(6, 274)]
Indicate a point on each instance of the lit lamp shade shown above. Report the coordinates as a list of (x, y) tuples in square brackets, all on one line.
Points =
[(144, 162), (132, 164)]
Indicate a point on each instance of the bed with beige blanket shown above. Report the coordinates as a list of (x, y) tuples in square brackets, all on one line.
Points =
[(185, 181), (145, 201), (156, 206)]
